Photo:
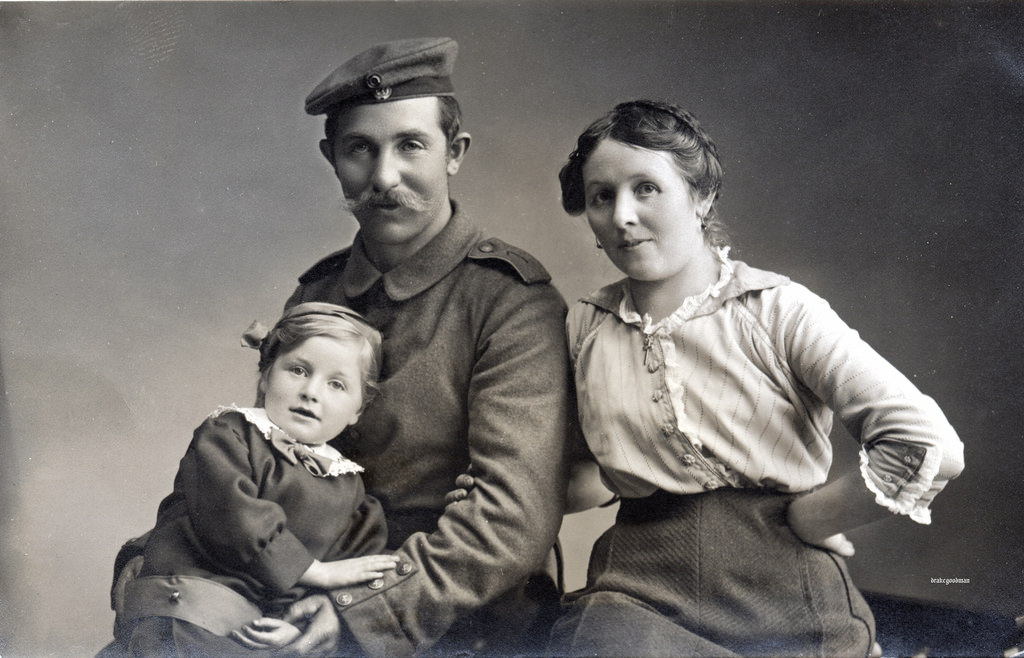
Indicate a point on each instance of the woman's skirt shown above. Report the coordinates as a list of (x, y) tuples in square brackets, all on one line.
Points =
[(712, 574)]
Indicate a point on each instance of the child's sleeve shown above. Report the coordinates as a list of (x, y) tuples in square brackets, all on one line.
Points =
[(238, 528)]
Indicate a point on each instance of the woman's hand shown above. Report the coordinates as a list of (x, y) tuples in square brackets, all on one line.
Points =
[(837, 543), (822, 516), (341, 573), (266, 633)]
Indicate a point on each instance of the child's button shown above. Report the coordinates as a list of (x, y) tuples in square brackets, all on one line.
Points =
[(343, 599), (376, 583), (404, 569)]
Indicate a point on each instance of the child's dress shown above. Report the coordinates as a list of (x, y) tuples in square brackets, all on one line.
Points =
[(249, 512), (708, 424)]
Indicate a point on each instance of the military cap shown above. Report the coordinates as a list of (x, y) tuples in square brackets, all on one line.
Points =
[(407, 68)]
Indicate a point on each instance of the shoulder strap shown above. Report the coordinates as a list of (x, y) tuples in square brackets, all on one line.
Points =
[(525, 265)]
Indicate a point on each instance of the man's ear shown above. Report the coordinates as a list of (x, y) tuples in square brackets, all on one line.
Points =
[(456, 151), (328, 150)]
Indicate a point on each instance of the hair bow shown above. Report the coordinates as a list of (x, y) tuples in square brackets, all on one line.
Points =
[(254, 336)]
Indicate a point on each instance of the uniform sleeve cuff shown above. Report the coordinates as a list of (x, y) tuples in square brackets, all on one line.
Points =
[(370, 617)]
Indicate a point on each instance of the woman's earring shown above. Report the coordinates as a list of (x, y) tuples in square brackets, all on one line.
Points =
[(597, 243), (704, 223)]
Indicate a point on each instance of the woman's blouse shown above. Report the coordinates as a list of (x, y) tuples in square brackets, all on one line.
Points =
[(738, 389), (250, 516)]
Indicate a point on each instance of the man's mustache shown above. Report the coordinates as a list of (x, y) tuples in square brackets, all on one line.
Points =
[(389, 199)]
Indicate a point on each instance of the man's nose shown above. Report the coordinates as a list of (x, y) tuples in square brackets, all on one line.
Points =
[(386, 172)]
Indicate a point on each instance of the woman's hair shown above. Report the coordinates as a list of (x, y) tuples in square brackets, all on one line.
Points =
[(655, 126), (304, 321)]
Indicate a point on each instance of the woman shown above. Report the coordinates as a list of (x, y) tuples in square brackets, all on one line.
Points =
[(706, 393)]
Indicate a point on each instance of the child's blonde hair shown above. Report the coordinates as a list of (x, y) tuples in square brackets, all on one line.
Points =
[(310, 319)]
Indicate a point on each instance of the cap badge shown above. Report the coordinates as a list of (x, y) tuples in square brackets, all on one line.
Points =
[(374, 82)]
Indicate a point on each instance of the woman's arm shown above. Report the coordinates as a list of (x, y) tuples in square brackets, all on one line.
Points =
[(841, 505), (586, 490), (909, 451)]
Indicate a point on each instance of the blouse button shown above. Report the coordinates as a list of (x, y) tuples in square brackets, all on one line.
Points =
[(652, 367), (174, 597), (708, 486), (908, 459), (667, 430), (657, 396), (689, 459), (887, 478)]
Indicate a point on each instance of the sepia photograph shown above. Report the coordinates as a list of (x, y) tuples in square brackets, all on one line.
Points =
[(494, 328)]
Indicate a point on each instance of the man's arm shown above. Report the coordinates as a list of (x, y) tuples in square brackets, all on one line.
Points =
[(518, 417)]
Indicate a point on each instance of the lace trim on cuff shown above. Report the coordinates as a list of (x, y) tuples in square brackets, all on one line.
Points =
[(910, 500)]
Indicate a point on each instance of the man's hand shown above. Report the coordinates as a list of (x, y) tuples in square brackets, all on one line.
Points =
[(266, 633), (321, 630), (128, 574)]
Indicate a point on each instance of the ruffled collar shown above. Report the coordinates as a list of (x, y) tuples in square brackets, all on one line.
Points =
[(689, 308), (320, 460)]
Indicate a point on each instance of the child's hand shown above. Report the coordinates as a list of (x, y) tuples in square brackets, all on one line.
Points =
[(463, 484), (266, 633), (328, 575)]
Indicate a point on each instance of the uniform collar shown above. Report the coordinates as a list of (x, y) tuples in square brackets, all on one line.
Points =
[(745, 279), (418, 272)]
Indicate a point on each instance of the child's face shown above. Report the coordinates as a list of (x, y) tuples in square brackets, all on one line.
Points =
[(314, 390)]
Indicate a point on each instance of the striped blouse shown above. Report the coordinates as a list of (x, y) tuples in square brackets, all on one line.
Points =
[(738, 389)]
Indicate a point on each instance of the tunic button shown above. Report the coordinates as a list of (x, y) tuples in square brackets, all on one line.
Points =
[(377, 583), (174, 597), (486, 247), (374, 80), (344, 599), (404, 569)]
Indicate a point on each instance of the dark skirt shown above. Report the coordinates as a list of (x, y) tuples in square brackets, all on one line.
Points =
[(712, 574)]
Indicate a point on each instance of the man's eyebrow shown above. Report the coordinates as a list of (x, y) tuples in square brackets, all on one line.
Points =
[(412, 133)]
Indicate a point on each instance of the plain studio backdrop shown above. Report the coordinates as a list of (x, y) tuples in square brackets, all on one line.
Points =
[(161, 187)]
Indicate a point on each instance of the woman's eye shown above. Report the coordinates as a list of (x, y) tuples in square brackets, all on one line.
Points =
[(601, 198), (646, 189), (297, 370)]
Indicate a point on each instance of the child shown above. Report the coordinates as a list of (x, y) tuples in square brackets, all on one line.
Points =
[(706, 393), (263, 508)]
